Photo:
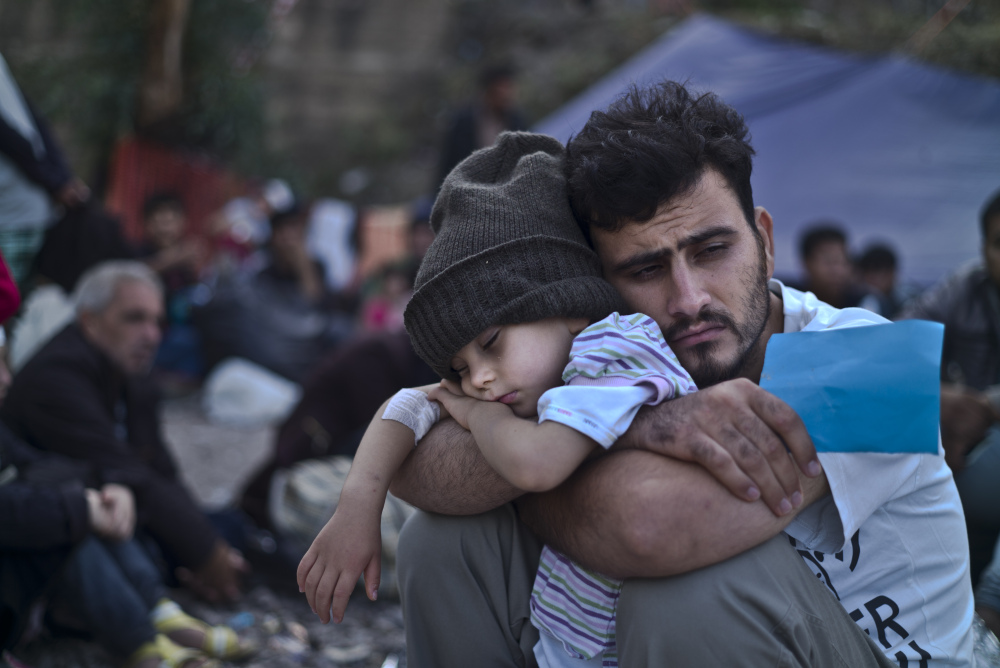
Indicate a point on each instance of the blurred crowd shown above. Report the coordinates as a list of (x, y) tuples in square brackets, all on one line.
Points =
[(106, 322)]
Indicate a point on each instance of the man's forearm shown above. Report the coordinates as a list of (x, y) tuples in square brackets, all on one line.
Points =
[(639, 514), (447, 474)]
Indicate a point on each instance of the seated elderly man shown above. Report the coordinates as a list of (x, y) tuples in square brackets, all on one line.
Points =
[(86, 395)]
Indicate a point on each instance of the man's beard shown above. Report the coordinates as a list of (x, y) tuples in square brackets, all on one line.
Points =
[(707, 369)]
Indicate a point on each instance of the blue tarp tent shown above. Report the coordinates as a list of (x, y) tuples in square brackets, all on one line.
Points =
[(893, 149)]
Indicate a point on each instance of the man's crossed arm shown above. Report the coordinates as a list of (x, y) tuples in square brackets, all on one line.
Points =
[(658, 503)]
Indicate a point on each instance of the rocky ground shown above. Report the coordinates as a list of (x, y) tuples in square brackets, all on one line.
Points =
[(215, 461)]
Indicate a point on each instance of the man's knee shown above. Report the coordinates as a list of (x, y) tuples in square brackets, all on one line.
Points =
[(465, 584), (430, 543), (761, 607), (689, 605)]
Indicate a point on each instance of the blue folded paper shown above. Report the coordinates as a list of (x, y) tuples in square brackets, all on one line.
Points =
[(862, 389)]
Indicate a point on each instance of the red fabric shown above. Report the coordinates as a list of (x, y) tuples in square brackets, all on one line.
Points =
[(141, 168), (10, 298)]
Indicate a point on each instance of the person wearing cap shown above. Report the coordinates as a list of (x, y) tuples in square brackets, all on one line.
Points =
[(738, 544), (503, 299), (478, 124)]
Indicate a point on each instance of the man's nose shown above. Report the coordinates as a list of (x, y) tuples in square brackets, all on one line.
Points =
[(153, 332), (687, 294)]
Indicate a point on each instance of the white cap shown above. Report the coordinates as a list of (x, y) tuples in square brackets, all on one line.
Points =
[(278, 195)]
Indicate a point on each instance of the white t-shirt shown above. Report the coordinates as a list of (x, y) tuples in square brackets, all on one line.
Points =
[(890, 541)]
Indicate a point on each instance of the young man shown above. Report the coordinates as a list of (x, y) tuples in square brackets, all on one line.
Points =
[(662, 181), (968, 304)]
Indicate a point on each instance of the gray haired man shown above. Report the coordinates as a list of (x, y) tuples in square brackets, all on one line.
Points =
[(86, 394)]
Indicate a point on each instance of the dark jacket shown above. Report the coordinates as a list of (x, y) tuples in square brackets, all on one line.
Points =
[(49, 170), (43, 513), (968, 304), (69, 399), (462, 137)]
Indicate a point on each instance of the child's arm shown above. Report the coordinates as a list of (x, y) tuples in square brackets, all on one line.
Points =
[(531, 456), (351, 542)]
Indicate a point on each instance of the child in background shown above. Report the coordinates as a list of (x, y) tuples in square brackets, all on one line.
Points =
[(178, 262), (502, 302)]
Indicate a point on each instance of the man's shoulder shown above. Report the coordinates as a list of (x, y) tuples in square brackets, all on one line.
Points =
[(805, 312), (66, 352)]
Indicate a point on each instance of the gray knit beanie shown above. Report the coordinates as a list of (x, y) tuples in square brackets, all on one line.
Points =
[(507, 250)]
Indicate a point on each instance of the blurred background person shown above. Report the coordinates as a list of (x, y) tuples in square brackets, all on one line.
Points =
[(878, 272), (34, 178), (478, 124), (283, 316), (86, 394), (968, 304), (827, 265), (178, 261)]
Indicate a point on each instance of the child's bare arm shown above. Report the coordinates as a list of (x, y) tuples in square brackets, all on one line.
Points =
[(531, 456), (350, 544)]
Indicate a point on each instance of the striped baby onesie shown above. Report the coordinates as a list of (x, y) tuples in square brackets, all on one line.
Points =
[(616, 365)]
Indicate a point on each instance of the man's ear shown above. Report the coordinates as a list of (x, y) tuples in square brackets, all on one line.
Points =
[(765, 228), (87, 322)]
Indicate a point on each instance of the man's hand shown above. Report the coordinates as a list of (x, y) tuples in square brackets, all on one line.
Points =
[(966, 415), (219, 577), (74, 193), (112, 512), (742, 435)]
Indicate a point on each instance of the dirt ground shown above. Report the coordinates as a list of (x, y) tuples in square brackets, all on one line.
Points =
[(215, 462)]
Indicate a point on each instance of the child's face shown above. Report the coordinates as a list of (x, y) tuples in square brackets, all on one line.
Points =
[(516, 364), (165, 227)]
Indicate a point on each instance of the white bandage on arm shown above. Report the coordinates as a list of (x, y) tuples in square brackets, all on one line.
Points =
[(413, 409)]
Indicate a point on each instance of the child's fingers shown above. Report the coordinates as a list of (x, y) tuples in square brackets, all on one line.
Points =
[(304, 567), (325, 596), (453, 387), (373, 576), (341, 595)]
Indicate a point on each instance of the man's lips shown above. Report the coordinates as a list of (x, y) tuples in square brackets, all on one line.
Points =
[(507, 398), (697, 336)]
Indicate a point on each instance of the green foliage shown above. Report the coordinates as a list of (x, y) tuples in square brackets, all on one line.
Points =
[(969, 43), (92, 83)]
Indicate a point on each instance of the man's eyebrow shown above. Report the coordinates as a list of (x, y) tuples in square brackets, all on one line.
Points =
[(646, 257), (721, 230), (659, 254)]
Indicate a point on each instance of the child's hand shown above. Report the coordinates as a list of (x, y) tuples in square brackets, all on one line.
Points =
[(449, 395), (350, 544)]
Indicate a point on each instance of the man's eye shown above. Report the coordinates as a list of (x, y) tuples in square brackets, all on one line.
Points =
[(645, 272), (711, 251)]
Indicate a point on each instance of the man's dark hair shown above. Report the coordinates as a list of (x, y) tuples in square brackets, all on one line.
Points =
[(651, 145), (160, 201), (296, 215), (990, 211), (877, 257), (496, 72), (818, 234)]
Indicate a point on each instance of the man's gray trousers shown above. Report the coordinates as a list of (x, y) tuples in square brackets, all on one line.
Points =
[(465, 584)]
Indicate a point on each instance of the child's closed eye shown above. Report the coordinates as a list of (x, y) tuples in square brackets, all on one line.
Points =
[(492, 340)]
